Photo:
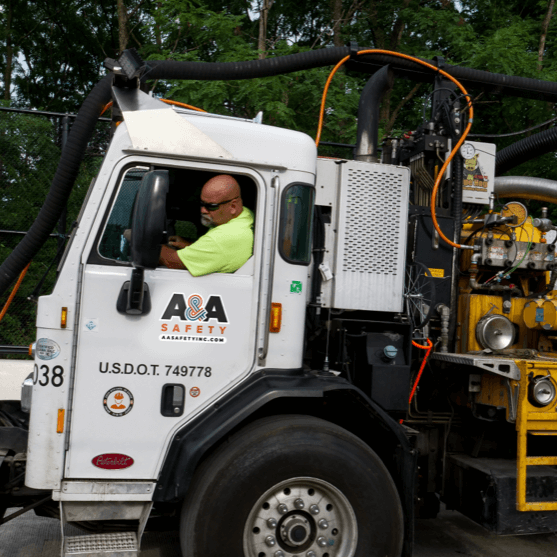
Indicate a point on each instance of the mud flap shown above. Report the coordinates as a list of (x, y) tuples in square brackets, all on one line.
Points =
[(13, 439)]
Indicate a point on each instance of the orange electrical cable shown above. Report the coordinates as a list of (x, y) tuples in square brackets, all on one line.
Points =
[(167, 101), (106, 107), (14, 291), (452, 153), (428, 347), (422, 347)]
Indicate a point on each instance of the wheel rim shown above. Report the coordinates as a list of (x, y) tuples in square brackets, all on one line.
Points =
[(302, 517)]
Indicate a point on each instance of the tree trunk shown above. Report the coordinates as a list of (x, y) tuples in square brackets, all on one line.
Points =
[(545, 27), (394, 43), (123, 34), (158, 35), (392, 119), (398, 29), (263, 12), (336, 9), (9, 54)]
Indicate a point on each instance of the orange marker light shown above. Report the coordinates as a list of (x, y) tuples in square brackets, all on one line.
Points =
[(276, 318), (64, 318), (60, 424)]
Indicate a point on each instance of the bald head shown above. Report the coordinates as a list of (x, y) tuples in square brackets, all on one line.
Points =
[(224, 190), (222, 186)]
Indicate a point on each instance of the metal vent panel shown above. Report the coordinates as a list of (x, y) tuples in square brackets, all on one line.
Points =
[(371, 244)]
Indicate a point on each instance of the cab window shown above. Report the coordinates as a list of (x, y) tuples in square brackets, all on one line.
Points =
[(113, 244), (182, 210), (296, 223)]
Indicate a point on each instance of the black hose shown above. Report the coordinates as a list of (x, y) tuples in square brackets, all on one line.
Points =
[(368, 114), (525, 149), (318, 252), (456, 210), (207, 71), (521, 132), (504, 85), (62, 184), (367, 63)]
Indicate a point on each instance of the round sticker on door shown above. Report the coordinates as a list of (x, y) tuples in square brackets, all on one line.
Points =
[(118, 401), (194, 391), (47, 349)]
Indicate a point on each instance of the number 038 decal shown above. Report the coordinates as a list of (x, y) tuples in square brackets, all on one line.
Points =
[(45, 375)]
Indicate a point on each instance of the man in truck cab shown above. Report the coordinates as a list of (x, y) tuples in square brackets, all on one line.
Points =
[(229, 242)]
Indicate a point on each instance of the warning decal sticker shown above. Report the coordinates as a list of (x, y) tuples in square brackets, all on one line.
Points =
[(118, 401)]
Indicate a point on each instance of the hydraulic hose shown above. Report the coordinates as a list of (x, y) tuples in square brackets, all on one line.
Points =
[(525, 149)]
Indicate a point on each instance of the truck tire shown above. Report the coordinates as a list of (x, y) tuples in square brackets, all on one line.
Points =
[(292, 485)]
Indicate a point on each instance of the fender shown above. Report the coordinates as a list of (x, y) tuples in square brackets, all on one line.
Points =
[(202, 433)]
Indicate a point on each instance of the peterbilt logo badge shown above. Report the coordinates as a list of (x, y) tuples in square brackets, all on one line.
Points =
[(112, 461)]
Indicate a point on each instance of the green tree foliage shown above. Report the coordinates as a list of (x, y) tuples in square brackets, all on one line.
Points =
[(29, 153), (51, 55), (53, 51), (57, 50)]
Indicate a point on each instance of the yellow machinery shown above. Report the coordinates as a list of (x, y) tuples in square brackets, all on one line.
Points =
[(507, 315)]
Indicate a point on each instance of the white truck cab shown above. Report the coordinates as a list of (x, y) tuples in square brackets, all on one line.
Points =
[(127, 379)]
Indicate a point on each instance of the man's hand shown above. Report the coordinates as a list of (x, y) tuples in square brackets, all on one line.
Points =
[(178, 242)]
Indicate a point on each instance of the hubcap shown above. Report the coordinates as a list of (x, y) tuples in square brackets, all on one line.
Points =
[(303, 517), (295, 530)]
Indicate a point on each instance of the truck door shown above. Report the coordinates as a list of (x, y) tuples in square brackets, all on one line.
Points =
[(139, 377)]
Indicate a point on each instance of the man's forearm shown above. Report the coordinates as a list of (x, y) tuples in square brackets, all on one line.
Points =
[(169, 258)]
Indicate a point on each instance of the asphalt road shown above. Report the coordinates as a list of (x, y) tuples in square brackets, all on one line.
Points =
[(450, 534)]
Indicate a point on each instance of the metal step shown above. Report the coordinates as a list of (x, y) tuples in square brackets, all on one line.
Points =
[(121, 544), (485, 490)]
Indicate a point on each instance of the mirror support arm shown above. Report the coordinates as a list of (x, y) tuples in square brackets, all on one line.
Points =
[(136, 293), (134, 297)]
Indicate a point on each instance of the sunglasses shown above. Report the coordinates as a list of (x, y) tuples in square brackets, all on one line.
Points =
[(215, 206)]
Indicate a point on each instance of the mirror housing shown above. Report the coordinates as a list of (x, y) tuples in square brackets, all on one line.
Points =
[(149, 219)]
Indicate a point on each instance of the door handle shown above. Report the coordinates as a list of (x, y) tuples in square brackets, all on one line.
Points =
[(173, 400)]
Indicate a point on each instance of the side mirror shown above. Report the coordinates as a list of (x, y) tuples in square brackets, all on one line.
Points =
[(149, 219), (148, 231)]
